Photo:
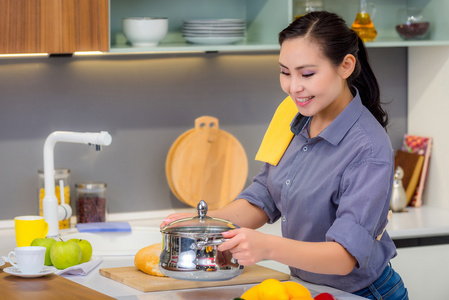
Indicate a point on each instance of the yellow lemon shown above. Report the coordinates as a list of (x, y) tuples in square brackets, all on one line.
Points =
[(297, 291), (272, 289), (251, 294)]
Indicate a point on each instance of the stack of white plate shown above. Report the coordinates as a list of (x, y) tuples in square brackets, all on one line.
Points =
[(214, 31)]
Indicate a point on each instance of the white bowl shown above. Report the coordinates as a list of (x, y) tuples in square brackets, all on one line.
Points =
[(144, 31)]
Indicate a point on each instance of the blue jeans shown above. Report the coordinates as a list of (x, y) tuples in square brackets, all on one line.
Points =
[(389, 286)]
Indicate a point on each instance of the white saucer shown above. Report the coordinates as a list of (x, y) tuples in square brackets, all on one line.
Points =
[(16, 272), (1, 262)]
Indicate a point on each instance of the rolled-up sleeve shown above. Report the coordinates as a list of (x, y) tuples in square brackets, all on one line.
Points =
[(362, 209)]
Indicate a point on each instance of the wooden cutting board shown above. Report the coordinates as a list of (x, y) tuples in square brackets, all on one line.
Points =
[(47, 287), (169, 160), (133, 277), (207, 164)]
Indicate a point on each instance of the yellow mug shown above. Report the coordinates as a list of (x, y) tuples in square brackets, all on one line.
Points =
[(29, 228)]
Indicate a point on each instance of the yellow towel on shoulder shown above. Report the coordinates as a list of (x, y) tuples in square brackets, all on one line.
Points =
[(278, 135)]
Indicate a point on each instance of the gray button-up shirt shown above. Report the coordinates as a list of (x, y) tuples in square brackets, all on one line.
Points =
[(334, 187)]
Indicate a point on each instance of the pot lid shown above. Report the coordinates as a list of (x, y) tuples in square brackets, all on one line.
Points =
[(199, 224)]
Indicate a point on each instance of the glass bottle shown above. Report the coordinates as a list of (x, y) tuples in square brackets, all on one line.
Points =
[(302, 7), (398, 200), (363, 25), (90, 202), (62, 179)]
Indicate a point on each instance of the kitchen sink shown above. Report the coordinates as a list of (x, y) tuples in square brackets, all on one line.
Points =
[(116, 243)]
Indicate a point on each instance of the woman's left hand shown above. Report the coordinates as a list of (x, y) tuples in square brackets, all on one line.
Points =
[(248, 246)]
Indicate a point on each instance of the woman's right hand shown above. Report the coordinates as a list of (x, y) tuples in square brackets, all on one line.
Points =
[(174, 217)]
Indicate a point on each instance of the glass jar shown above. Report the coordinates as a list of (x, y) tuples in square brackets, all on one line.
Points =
[(62, 179), (90, 202), (363, 25), (410, 24), (302, 7)]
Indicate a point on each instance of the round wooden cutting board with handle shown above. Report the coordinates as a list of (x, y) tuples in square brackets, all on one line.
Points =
[(207, 164), (169, 160)]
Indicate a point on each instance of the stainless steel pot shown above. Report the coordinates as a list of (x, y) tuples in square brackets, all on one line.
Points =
[(189, 249)]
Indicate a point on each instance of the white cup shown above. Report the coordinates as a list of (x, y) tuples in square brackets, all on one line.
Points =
[(30, 260)]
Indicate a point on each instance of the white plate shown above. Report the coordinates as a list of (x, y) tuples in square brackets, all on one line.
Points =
[(199, 29), (215, 27), (213, 40), (16, 272), (214, 21), (213, 33), (213, 36)]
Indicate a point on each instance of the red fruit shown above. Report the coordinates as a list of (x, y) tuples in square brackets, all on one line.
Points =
[(324, 296)]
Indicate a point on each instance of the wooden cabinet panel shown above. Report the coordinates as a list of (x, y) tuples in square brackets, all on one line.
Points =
[(93, 25), (53, 26), (19, 30)]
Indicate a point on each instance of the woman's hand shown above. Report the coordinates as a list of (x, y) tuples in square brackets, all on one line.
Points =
[(248, 246), (174, 217)]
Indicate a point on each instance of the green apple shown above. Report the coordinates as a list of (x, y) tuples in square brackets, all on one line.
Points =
[(47, 243), (86, 249), (65, 254)]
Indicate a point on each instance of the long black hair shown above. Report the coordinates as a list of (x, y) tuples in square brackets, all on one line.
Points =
[(337, 40)]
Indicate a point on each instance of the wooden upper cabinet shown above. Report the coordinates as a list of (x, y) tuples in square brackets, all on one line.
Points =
[(53, 26)]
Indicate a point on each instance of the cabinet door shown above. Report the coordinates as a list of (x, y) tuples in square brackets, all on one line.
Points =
[(53, 26)]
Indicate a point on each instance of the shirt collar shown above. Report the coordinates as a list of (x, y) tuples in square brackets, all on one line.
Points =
[(335, 132), (298, 123)]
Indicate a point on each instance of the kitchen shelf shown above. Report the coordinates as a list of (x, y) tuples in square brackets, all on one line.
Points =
[(265, 18), (243, 47), (385, 18), (185, 48), (397, 42)]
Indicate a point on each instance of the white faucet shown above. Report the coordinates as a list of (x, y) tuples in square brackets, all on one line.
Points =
[(52, 212)]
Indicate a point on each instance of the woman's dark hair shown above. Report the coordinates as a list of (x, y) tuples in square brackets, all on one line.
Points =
[(337, 40)]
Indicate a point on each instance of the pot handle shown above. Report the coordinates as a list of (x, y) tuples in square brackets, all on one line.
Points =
[(204, 244)]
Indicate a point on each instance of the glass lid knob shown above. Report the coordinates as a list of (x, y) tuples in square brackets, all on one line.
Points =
[(202, 209)]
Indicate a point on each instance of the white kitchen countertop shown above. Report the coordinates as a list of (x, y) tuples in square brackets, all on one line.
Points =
[(416, 222), (117, 290), (120, 291)]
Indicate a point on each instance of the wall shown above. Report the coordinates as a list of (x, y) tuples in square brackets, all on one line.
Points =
[(428, 115), (145, 102)]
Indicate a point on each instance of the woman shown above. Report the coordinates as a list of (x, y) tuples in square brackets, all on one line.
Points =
[(332, 186)]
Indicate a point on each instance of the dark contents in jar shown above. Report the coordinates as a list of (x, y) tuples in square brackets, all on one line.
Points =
[(91, 209), (413, 31)]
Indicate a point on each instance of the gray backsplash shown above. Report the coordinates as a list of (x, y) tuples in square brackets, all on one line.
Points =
[(145, 102)]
